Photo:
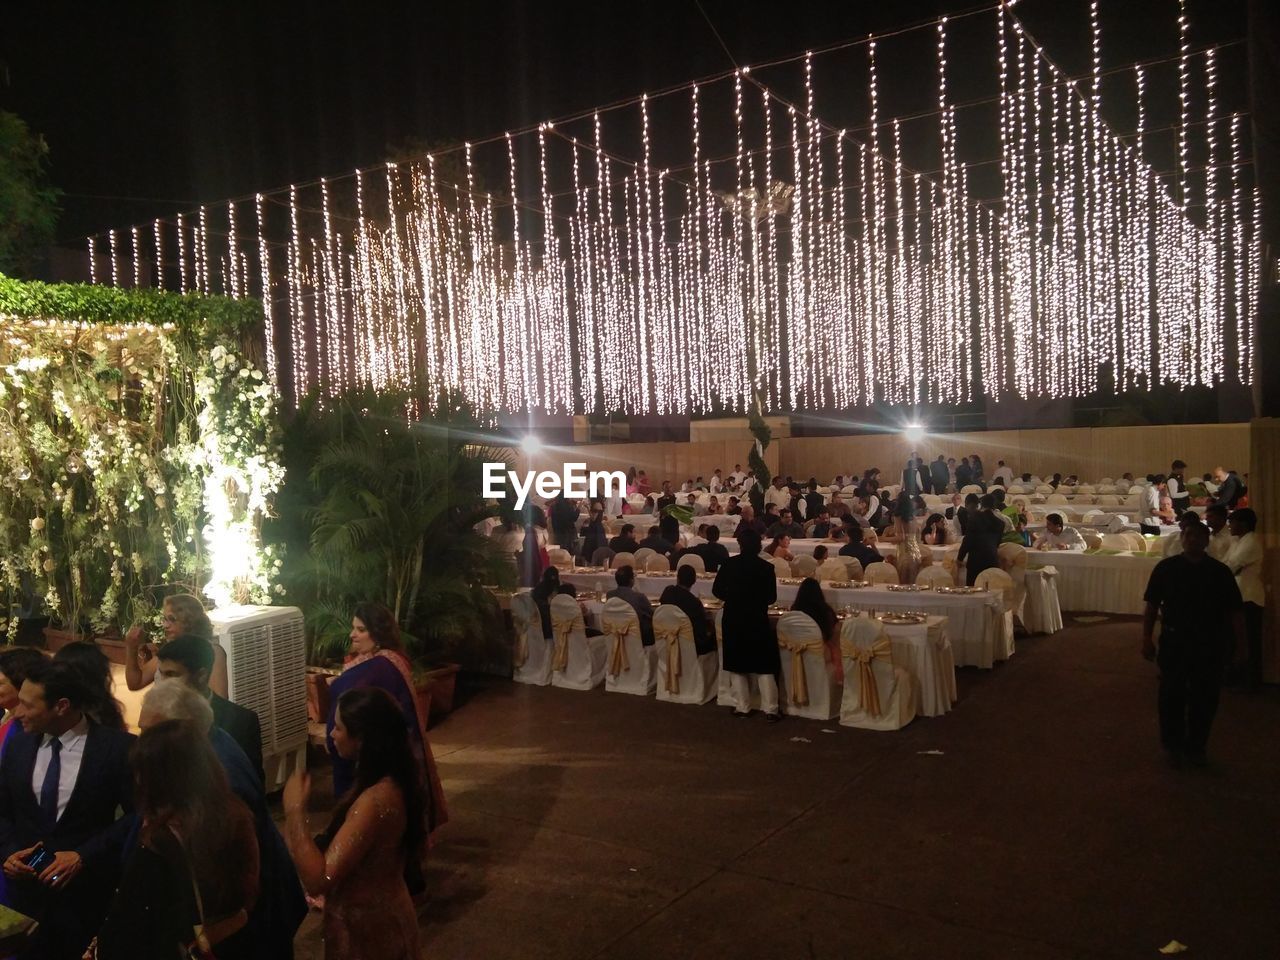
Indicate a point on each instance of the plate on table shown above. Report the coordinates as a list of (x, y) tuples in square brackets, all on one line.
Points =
[(963, 591), (775, 610), (791, 581), (589, 570), (840, 584), (706, 576), (905, 588), (900, 619), (661, 573), (713, 604)]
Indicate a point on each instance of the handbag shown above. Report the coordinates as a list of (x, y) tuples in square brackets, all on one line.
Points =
[(199, 948)]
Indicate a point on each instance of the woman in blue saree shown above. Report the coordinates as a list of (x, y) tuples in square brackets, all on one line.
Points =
[(379, 661)]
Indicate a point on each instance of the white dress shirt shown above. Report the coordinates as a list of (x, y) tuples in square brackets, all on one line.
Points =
[(1003, 474), (1220, 543), (737, 477), (1069, 539), (1244, 557), (780, 496), (716, 484), (1177, 492), (72, 754)]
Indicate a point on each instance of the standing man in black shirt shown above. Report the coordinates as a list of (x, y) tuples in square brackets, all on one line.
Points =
[(1197, 600)]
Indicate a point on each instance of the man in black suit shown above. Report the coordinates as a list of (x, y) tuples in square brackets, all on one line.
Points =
[(62, 779), (657, 543), (626, 590), (713, 552), (979, 550), (860, 549), (939, 475), (189, 659), (680, 594), (625, 541)]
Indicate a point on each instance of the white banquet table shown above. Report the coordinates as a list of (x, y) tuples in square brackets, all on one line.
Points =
[(973, 620), (1104, 583)]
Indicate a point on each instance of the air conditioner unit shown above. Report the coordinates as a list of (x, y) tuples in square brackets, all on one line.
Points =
[(266, 672)]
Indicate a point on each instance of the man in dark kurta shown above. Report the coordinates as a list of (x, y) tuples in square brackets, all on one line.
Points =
[(748, 585)]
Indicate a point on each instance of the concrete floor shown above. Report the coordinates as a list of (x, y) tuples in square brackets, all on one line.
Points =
[(1036, 820)]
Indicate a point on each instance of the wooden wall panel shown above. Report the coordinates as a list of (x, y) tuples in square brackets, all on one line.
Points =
[(1089, 452)]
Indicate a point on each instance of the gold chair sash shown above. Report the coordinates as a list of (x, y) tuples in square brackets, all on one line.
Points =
[(563, 630), (521, 655), (618, 632), (798, 687), (864, 656), (672, 639)]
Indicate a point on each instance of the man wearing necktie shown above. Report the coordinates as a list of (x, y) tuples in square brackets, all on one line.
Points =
[(64, 781)]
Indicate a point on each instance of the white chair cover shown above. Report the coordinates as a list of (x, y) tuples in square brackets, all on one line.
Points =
[(692, 560), (935, 575), (832, 569), (889, 699), (852, 567), (623, 559), (1115, 541), (560, 558), (781, 567), (804, 565), (1094, 516), (683, 676), (998, 581), (1044, 490), (1105, 480), (809, 687), (531, 659), (630, 666), (1060, 498), (1042, 612), (970, 488), (1108, 500), (577, 661), (1084, 490), (657, 563), (642, 557), (1013, 561), (881, 573), (1092, 540)]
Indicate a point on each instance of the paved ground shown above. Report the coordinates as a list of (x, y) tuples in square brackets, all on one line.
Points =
[(1036, 820)]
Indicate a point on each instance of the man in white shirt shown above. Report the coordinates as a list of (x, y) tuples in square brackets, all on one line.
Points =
[(1244, 558), (838, 483), (778, 494), (1058, 536), (1003, 474), (737, 476), (717, 481), (1173, 545), (1215, 518)]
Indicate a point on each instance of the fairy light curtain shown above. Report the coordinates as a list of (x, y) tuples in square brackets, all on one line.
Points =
[(781, 257)]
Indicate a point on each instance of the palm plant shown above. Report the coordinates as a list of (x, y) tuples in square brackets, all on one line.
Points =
[(383, 509)]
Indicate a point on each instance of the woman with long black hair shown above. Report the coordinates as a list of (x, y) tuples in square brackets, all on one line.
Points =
[(376, 830)]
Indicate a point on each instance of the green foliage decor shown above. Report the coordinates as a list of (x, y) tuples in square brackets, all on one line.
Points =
[(138, 450), (378, 506), (755, 460)]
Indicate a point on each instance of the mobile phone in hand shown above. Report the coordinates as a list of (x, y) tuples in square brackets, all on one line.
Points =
[(38, 859)]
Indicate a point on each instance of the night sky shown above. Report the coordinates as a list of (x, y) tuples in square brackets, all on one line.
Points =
[(179, 104)]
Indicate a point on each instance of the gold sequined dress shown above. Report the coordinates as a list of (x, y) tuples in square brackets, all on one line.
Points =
[(368, 913)]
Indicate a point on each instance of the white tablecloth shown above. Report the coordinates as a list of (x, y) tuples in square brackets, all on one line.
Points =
[(926, 653), (973, 620), (1105, 583)]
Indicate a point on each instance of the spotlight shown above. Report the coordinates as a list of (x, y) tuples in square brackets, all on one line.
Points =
[(914, 433), (530, 445)]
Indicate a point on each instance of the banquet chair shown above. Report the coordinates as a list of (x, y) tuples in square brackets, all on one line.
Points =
[(1108, 500), (602, 557), (1044, 490), (560, 558), (997, 581), (683, 675), (881, 573), (1092, 539), (623, 559), (804, 565), (1094, 516), (724, 686), (849, 489), (642, 557), (1106, 488), (630, 666), (1115, 541), (1060, 498), (1084, 490), (878, 694), (577, 661), (692, 560), (832, 569), (935, 576), (781, 567), (852, 566), (1012, 558), (971, 488), (657, 563), (809, 687), (1035, 480), (1042, 612), (1105, 480), (531, 659), (1137, 542)]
